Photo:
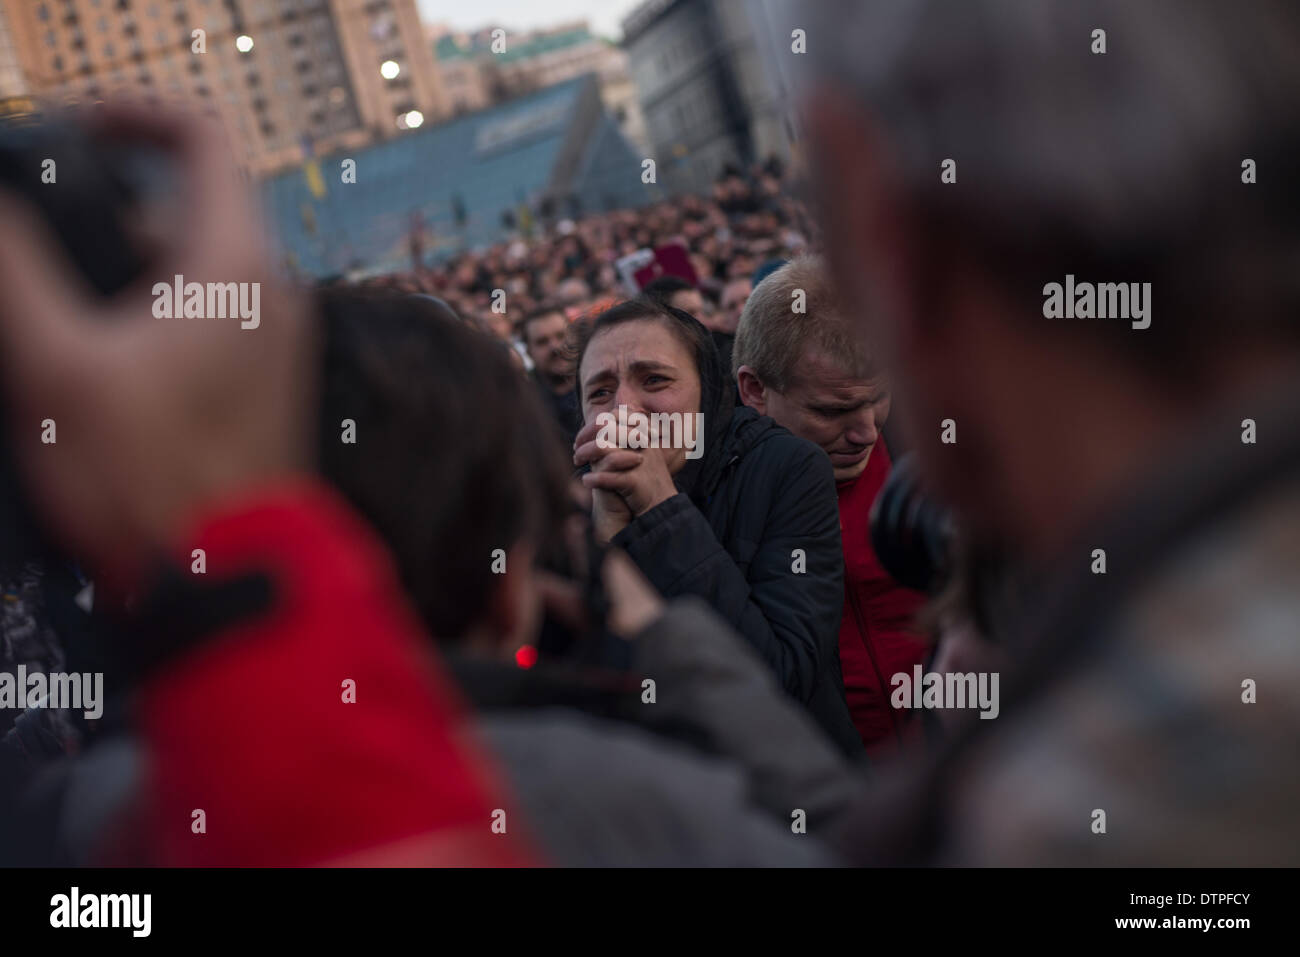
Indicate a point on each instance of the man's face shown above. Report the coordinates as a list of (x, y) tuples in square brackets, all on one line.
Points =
[(689, 301), (732, 304), (826, 405), (544, 338)]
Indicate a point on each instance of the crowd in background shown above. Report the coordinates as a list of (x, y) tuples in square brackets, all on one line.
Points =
[(751, 217)]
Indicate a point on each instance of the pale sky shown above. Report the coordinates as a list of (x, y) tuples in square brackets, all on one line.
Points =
[(605, 16)]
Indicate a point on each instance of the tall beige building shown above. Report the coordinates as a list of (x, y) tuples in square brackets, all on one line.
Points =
[(287, 77), (13, 84)]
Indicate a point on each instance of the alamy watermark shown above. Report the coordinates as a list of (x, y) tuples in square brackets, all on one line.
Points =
[(82, 691), (654, 430), (942, 691), (75, 909), (1106, 300), (215, 300)]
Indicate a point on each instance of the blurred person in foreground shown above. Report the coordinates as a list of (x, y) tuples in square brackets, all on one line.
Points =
[(798, 361), (1158, 688), (745, 517), (178, 435)]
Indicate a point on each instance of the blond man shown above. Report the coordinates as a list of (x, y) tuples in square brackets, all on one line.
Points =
[(797, 360)]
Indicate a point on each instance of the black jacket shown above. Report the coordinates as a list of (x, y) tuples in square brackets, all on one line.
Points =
[(758, 498)]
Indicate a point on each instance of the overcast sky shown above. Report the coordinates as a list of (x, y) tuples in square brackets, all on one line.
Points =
[(605, 16)]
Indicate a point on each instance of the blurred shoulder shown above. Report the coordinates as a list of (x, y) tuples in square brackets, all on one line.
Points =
[(1127, 755)]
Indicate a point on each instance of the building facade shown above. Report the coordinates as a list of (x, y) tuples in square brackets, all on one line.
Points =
[(289, 78), (701, 68), (14, 90)]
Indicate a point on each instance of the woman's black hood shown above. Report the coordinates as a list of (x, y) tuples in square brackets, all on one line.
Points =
[(717, 401)]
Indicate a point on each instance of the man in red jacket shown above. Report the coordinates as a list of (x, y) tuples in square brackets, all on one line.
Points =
[(797, 361)]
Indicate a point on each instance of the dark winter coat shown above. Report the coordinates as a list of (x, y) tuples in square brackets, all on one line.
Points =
[(754, 531)]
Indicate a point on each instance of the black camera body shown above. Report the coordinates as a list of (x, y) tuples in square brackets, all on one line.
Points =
[(85, 193), (912, 534)]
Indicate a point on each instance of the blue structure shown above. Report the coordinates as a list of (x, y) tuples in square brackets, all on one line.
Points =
[(556, 151)]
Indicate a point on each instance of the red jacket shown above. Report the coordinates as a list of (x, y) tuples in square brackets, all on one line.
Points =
[(877, 635), (252, 729)]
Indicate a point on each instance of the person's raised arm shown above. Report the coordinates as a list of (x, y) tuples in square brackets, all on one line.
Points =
[(183, 434)]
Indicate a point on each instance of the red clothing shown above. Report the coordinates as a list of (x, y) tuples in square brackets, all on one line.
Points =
[(251, 727), (890, 645)]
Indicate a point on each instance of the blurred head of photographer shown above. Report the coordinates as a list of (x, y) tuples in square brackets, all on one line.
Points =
[(434, 436)]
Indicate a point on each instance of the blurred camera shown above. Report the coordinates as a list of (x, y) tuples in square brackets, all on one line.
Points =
[(912, 534), (86, 193)]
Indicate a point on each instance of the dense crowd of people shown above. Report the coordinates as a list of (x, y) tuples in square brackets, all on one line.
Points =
[(749, 219), (372, 584)]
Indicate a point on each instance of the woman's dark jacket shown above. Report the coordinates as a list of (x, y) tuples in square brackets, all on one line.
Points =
[(754, 531)]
